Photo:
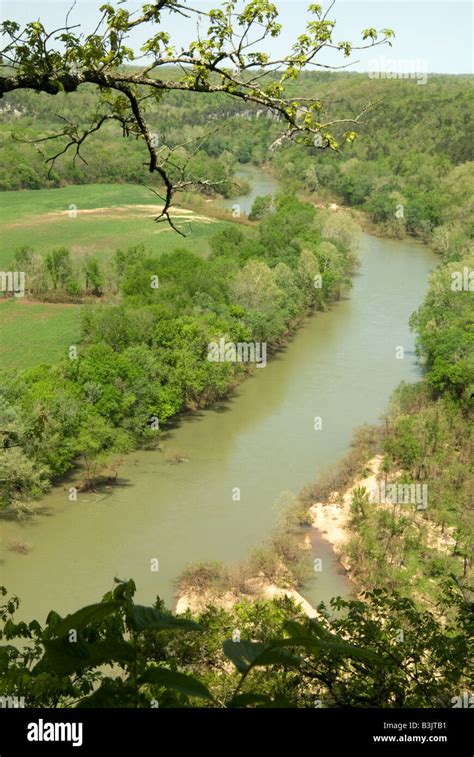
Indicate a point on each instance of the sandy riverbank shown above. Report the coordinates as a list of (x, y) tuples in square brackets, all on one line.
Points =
[(331, 518), (258, 588)]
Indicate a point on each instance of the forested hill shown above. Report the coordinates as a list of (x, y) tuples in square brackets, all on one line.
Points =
[(410, 167)]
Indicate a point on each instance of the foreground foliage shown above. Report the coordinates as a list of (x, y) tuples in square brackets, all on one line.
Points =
[(379, 652)]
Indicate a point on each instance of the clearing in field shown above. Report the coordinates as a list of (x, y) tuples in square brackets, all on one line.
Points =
[(95, 219), (36, 332)]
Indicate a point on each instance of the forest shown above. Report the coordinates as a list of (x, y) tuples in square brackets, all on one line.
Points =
[(410, 168)]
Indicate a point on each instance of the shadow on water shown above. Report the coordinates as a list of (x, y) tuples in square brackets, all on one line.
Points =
[(8, 515), (330, 577)]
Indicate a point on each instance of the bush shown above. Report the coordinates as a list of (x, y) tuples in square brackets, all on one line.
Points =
[(203, 576)]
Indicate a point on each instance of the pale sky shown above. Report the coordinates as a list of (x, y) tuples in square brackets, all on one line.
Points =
[(438, 35)]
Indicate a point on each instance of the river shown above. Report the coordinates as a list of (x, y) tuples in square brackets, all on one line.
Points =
[(260, 182), (341, 365)]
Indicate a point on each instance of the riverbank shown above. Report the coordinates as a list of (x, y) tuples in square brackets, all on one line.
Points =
[(382, 505), (258, 588), (332, 518), (186, 513)]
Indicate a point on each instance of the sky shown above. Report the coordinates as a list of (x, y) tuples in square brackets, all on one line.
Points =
[(430, 36)]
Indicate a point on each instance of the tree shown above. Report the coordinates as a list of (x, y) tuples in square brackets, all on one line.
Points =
[(359, 502), (93, 276), (307, 273), (354, 186), (59, 267), (254, 287), (23, 256), (20, 478), (260, 207), (445, 331), (96, 439), (341, 227), (222, 60)]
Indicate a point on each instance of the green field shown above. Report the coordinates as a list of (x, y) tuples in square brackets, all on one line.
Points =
[(33, 333), (96, 219), (106, 217)]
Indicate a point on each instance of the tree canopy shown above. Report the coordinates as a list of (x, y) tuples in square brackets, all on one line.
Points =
[(227, 58)]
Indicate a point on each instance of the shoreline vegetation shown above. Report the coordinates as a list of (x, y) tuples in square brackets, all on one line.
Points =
[(142, 356)]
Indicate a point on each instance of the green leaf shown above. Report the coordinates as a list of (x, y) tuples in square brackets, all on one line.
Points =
[(7, 652), (65, 657), (108, 695), (145, 618), (124, 590), (312, 629), (84, 616), (248, 654), (349, 650), (180, 682), (53, 618), (340, 647)]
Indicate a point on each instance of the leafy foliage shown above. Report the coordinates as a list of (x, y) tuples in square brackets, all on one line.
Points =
[(379, 652)]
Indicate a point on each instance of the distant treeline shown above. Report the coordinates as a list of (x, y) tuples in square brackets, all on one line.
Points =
[(411, 168)]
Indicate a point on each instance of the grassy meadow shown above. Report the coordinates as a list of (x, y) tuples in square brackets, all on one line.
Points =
[(95, 219), (92, 219), (36, 332)]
